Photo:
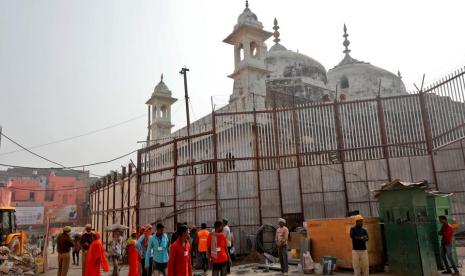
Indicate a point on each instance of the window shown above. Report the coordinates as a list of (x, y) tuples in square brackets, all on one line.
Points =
[(241, 52), (254, 49), (344, 82), (32, 196), (164, 112)]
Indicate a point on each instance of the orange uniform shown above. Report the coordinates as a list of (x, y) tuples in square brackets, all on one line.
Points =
[(202, 236), (96, 257)]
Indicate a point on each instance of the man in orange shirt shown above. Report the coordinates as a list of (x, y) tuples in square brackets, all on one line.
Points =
[(218, 250), (202, 238), (179, 263)]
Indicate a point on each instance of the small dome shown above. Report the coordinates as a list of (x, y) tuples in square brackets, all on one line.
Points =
[(286, 63), (247, 17), (161, 89), (361, 79)]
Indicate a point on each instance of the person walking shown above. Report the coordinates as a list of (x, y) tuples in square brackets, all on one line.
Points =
[(141, 246), (179, 261), (447, 234), (359, 237), (218, 250), (64, 245), (158, 248), (86, 240), (202, 246), (133, 255), (76, 249), (96, 257), (228, 234), (282, 239), (54, 243), (116, 251), (193, 242)]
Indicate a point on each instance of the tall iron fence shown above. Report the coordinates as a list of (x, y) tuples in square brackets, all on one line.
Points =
[(309, 161)]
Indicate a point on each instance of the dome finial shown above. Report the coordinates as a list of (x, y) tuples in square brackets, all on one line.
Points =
[(246, 4), (399, 74), (276, 33), (346, 42), (161, 77)]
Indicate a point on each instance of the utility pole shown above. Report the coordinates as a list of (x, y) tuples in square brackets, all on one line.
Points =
[(186, 97)]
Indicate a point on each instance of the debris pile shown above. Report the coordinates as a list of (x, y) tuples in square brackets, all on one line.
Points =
[(10, 264)]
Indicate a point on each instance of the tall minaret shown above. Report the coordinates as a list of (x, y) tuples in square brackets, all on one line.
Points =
[(160, 106), (248, 38)]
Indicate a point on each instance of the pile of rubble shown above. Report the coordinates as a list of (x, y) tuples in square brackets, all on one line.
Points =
[(10, 264)]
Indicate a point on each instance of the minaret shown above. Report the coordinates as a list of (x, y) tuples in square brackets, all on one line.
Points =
[(160, 106), (248, 39)]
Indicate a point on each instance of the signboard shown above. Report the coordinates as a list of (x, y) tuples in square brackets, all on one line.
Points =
[(29, 215), (67, 213)]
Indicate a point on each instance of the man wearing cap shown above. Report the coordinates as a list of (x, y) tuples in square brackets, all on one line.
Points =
[(158, 248), (282, 238), (64, 245), (141, 246), (86, 240), (359, 237)]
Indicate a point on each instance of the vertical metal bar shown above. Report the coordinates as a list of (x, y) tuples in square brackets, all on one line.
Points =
[(296, 135), (428, 135), (123, 179), (108, 181), (138, 184), (257, 163), (115, 176), (340, 147), (382, 131), (215, 157), (278, 167), (128, 220), (98, 205), (175, 181)]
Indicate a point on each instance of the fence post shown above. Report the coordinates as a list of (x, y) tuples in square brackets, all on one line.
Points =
[(175, 176), (278, 167), (340, 148), (128, 219), (138, 183), (428, 133), (257, 163), (123, 177), (115, 176), (383, 134), (108, 181), (296, 134), (215, 156)]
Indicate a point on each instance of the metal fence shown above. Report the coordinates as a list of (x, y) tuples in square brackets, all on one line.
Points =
[(309, 161)]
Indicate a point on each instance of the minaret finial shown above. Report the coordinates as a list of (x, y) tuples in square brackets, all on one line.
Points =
[(276, 33), (346, 42), (246, 4), (161, 77), (399, 74)]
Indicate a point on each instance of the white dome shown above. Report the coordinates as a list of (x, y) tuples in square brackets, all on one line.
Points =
[(247, 17), (161, 89), (287, 63), (362, 80)]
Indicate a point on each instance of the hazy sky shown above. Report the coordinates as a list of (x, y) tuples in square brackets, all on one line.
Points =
[(71, 67)]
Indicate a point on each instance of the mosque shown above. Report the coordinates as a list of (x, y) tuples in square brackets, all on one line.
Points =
[(278, 77)]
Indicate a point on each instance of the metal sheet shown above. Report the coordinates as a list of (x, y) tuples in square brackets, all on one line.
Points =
[(311, 179), (247, 184), (449, 160), (205, 186), (270, 203), (363, 208), (248, 212), (355, 171), (332, 178), (314, 206), (227, 185), (451, 181), (335, 204), (290, 191), (400, 168), (269, 179), (357, 191), (230, 209), (206, 214), (377, 169), (421, 168)]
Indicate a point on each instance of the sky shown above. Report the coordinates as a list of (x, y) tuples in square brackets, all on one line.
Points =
[(70, 68)]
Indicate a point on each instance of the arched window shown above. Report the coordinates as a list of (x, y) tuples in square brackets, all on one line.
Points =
[(154, 112), (241, 52), (164, 112), (254, 49), (344, 82)]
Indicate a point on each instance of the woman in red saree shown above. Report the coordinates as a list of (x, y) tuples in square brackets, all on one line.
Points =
[(133, 255), (96, 257)]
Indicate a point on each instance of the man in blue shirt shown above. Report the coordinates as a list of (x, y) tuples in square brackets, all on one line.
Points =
[(359, 237), (158, 248), (142, 246)]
